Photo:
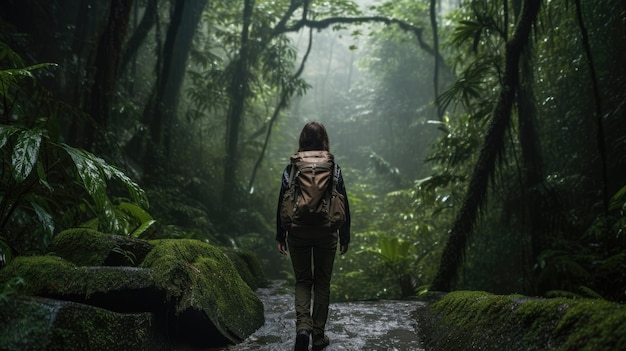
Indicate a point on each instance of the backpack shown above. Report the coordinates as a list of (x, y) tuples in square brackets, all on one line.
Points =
[(312, 198)]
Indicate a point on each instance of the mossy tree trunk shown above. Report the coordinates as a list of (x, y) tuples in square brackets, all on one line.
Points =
[(492, 149)]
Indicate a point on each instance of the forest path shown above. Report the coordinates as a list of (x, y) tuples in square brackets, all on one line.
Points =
[(352, 326)]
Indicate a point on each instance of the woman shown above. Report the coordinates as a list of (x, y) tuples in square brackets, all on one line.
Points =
[(312, 250)]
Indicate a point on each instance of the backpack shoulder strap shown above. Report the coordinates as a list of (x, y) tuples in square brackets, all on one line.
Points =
[(292, 173), (335, 177)]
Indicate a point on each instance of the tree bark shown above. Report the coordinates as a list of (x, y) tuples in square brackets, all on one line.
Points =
[(433, 23), (161, 111), (238, 93), (598, 108), (493, 147), (107, 62), (141, 32), (533, 208), (532, 177)]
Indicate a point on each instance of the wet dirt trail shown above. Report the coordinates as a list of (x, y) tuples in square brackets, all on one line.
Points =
[(352, 326)]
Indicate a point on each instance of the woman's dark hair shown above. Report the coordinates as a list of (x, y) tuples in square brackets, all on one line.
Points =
[(313, 137)]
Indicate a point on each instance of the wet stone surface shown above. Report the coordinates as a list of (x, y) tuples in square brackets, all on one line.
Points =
[(352, 326)]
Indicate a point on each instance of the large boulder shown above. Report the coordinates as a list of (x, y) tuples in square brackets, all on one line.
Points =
[(248, 266), (124, 289), (34, 323), (207, 289), (191, 291)]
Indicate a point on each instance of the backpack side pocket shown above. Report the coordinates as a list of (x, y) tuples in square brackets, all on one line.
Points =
[(337, 211)]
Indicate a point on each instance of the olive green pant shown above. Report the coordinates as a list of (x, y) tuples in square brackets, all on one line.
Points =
[(312, 257)]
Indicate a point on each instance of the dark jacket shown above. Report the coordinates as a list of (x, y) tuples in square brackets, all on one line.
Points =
[(344, 231)]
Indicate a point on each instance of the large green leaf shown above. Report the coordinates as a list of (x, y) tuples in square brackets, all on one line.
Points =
[(393, 250), (142, 229), (90, 173), (141, 215), (45, 218), (11, 77), (135, 211), (94, 173), (25, 153), (138, 194), (24, 71)]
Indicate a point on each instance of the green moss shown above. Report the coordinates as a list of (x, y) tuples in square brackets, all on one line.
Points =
[(40, 273), (54, 276), (86, 247), (466, 320), (89, 328), (593, 325), (43, 324), (194, 278), (248, 266), (200, 276)]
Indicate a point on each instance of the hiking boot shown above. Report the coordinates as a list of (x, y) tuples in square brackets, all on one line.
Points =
[(302, 340), (320, 343)]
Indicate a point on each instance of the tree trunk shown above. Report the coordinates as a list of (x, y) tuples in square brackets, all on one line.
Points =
[(141, 32), (493, 147), (598, 108), (532, 177), (433, 23), (238, 92), (107, 61), (161, 111), (533, 209), (76, 94)]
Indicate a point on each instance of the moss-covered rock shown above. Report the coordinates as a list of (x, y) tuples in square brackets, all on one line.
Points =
[(43, 324), (192, 290), (248, 266), (86, 247), (477, 320), (207, 289), (116, 288)]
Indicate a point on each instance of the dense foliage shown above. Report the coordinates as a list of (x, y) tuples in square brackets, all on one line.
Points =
[(182, 130)]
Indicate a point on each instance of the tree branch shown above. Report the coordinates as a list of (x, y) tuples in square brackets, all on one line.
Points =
[(281, 105), (328, 22)]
